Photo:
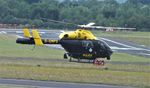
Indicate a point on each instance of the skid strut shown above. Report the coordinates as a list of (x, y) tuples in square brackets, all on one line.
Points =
[(99, 62)]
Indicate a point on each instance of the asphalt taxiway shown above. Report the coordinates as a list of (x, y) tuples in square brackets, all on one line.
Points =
[(49, 84)]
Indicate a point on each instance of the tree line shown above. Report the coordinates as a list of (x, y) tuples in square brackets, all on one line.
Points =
[(132, 13)]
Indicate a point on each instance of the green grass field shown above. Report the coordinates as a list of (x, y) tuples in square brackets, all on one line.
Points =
[(19, 61), (8, 45), (15, 86), (142, 38)]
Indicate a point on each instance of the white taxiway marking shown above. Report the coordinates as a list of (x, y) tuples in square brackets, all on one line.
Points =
[(145, 54), (3, 32), (117, 43), (19, 32), (118, 48), (129, 47), (41, 32), (54, 46), (19, 36)]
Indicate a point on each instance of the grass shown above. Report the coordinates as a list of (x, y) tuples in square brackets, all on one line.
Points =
[(75, 75), (18, 62), (9, 48), (142, 38), (15, 86), (122, 57)]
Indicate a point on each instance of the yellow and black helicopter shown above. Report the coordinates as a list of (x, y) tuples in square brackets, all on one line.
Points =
[(79, 44)]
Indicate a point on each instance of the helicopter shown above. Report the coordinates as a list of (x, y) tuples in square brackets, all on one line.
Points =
[(78, 44)]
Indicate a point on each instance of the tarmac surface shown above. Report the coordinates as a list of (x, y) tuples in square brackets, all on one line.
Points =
[(49, 84)]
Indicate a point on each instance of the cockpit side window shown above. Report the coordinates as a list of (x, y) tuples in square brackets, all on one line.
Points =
[(101, 44), (87, 44)]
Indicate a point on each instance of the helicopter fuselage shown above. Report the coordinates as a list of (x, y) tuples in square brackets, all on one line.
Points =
[(86, 49), (79, 49), (80, 44)]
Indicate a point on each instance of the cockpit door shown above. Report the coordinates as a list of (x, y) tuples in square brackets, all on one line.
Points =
[(88, 46)]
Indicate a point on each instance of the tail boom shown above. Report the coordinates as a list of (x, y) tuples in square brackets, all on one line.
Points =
[(31, 41), (35, 39)]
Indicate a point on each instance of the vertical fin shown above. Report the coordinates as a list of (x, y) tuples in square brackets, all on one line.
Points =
[(26, 33), (37, 38)]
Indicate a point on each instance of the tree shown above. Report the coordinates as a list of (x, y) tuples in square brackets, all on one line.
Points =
[(132, 13), (32, 1)]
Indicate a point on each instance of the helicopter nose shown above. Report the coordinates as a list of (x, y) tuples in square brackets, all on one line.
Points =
[(110, 51)]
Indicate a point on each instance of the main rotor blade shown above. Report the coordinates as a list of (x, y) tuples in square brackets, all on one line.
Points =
[(50, 20)]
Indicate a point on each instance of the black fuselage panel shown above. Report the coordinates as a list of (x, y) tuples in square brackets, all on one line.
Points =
[(86, 49)]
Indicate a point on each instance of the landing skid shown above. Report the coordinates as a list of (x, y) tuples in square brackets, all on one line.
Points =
[(70, 59), (99, 62)]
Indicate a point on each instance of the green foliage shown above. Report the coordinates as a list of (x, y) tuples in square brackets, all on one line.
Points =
[(132, 13)]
